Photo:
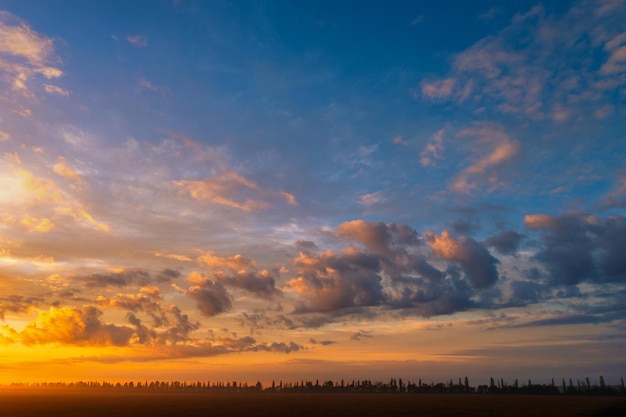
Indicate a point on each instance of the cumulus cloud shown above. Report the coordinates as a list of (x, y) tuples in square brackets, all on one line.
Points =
[(505, 242), (81, 325), (211, 297), (391, 271), (473, 258), (330, 282), (577, 247), (380, 237), (240, 272)]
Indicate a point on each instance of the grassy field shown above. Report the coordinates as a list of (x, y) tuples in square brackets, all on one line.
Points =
[(67, 403)]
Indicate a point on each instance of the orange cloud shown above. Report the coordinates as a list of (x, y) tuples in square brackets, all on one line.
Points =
[(74, 326), (233, 263), (230, 189), (539, 221), (63, 169), (24, 54), (222, 189), (34, 224)]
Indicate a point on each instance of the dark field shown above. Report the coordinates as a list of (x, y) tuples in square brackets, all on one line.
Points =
[(67, 403)]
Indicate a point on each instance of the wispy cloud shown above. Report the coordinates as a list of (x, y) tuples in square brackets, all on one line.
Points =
[(24, 55), (535, 78), (432, 151), (500, 149), (139, 41)]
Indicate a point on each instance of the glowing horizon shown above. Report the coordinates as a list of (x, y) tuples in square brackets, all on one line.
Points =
[(257, 191)]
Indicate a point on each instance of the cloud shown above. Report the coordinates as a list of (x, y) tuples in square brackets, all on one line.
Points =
[(211, 297), (616, 197), (432, 152), (505, 242), (487, 170), (322, 342), (261, 283), (81, 325), (126, 278), (329, 282), (438, 89), (24, 54), (240, 272), (361, 334), (139, 41), (370, 199), (399, 141), (234, 263), (379, 238), (53, 89), (63, 169), (17, 304), (575, 247), (232, 190), (474, 259), (35, 224), (557, 66), (616, 62)]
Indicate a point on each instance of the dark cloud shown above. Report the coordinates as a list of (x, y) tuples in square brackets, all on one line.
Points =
[(279, 347), (473, 257), (466, 226), (380, 238), (505, 242), (577, 247), (528, 292), (566, 248), (329, 282), (260, 283), (361, 334), (17, 304), (567, 319), (211, 298), (127, 277), (306, 245), (258, 320), (167, 275), (322, 342)]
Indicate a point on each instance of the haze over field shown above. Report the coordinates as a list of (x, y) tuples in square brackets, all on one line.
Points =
[(261, 190)]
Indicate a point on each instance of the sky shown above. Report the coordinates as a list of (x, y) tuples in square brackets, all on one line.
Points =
[(259, 190)]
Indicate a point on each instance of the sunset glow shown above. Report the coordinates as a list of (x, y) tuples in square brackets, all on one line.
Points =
[(258, 191)]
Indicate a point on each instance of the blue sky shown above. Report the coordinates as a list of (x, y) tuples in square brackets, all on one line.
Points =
[(420, 186)]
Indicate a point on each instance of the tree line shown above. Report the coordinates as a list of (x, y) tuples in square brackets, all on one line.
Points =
[(462, 386)]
